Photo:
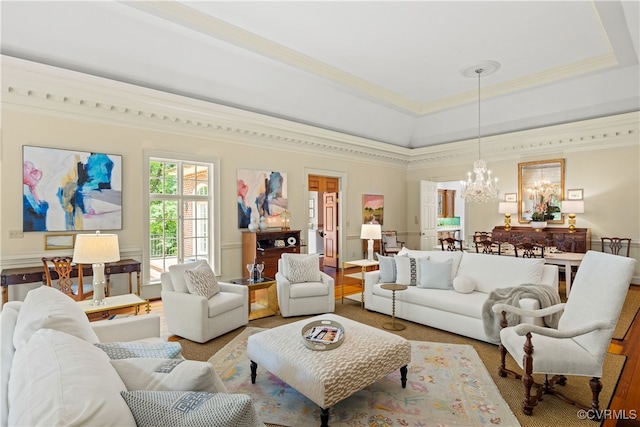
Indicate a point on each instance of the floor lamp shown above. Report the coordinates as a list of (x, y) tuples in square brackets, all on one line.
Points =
[(370, 232), (96, 249)]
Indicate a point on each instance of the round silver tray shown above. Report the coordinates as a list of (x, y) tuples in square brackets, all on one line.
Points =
[(313, 345)]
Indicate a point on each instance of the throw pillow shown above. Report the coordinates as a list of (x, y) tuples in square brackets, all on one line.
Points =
[(168, 374), (191, 408), (178, 279), (126, 350), (435, 275), (387, 267), (202, 281), (408, 270), (464, 284), (302, 268), (46, 307), (58, 379)]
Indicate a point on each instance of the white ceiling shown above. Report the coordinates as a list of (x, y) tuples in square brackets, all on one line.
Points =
[(388, 71)]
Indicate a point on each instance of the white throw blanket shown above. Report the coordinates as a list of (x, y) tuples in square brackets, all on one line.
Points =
[(544, 294)]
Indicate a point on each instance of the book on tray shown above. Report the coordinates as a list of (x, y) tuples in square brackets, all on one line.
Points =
[(324, 334)]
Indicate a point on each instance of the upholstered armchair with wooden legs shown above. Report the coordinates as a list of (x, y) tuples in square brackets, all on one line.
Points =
[(390, 243), (579, 344)]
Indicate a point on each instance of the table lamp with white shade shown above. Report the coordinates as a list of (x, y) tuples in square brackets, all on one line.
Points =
[(572, 207), (370, 232), (507, 208), (96, 249)]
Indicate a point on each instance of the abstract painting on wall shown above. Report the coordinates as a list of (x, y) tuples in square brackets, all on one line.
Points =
[(372, 209), (70, 190), (261, 194)]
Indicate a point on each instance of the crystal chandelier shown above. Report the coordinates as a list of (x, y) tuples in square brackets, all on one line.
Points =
[(483, 188)]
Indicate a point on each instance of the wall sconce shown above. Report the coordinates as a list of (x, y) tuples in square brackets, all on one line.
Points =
[(507, 208), (370, 232), (572, 207)]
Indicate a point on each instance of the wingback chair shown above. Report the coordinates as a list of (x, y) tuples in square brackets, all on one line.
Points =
[(302, 288), (579, 345), (196, 317)]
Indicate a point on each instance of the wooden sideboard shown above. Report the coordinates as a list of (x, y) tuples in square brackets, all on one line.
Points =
[(19, 276), (582, 236), (262, 246)]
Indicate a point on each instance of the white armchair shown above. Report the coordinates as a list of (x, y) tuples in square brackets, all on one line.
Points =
[(580, 343), (195, 317), (315, 296)]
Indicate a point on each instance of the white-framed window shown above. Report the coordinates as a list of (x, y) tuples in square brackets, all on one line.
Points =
[(180, 212)]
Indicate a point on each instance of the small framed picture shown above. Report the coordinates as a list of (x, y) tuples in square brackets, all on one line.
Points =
[(575, 194), (510, 197), (58, 241)]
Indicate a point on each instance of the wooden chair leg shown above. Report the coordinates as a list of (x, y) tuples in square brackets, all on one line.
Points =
[(527, 378), (596, 386), (502, 371)]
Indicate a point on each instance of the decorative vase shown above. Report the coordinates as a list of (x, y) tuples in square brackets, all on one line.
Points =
[(538, 225), (263, 224), (253, 226)]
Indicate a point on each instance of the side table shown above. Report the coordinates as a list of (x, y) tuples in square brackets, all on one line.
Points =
[(393, 287), (363, 264), (266, 302)]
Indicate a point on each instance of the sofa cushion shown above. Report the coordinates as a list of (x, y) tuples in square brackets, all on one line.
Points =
[(176, 272), (46, 307), (168, 374), (202, 281), (436, 275), (58, 379), (464, 284), (387, 267), (437, 256), (407, 270), (191, 408), (496, 271), (126, 350), (299, 268), (469, 305)]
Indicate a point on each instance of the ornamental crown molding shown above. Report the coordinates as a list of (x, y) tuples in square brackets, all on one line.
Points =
[(33, 87)]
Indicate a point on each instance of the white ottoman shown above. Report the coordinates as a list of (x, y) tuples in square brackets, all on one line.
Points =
[(326, 377)]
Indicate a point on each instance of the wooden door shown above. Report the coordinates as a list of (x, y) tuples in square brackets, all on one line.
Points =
[(428, 215), (330, 229)]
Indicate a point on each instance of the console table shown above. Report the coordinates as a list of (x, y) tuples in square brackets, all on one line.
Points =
[(582, 236), (22, 275)]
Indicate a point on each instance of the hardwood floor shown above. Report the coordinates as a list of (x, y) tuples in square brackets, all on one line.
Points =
[(624, 410)]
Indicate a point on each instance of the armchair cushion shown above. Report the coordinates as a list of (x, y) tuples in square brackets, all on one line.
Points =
[(300, 268), (168, 374), (435, 275), (46, 307), (390, 241), (178, 279), (202, 281)]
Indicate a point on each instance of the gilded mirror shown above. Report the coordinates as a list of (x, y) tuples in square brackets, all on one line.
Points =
[(540, 191)]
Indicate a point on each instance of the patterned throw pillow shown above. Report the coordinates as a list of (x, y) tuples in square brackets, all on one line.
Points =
[(126, 350), (191, 408), (202, 281), (302, 269), (408, 270), (168, 374)]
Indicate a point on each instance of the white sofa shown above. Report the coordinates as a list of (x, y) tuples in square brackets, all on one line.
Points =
[(57, 368), (449, 309)]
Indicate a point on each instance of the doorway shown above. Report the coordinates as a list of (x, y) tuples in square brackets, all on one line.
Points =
[(322, 233)]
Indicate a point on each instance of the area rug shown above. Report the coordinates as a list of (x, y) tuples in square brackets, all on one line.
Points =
[(447, 385)]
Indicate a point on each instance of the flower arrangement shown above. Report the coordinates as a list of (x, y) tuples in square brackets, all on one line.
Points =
[(545, 198)]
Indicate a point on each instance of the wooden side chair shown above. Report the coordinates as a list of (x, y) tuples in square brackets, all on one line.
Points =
[(451, 244), (615, 245), (390, 243), (63, 267), (529, 250), (488, 246)]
